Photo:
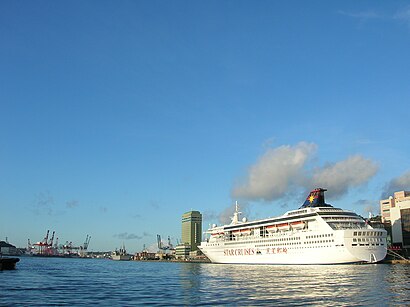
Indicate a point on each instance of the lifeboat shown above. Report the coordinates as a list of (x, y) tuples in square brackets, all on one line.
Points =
[(236, 233), (283, 226), (246, 231), (272, 228), (217, 234), (297, 225)]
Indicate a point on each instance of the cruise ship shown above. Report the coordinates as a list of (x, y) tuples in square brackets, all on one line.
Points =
[(316, 233)]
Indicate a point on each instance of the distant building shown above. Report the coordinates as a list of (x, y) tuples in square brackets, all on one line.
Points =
[(144, 255), (7, 248), (395, 211), (192, 229), (182, 251)]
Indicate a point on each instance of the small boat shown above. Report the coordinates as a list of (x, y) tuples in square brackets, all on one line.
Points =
[(120, 254), (8, 263)]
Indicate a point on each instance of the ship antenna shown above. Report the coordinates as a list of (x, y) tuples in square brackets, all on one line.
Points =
[(236, 214)]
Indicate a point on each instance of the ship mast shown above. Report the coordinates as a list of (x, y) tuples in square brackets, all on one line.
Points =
[(235, 218)]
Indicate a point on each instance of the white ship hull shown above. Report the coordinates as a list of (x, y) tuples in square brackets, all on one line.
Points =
[(339, 252), (319, 235), (121, 257)]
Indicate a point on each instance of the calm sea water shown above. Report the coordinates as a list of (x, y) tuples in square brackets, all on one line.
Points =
[(73, 282)]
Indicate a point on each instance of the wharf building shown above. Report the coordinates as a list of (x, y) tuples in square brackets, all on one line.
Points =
[(191, 235), (395, 214), (7, 249)]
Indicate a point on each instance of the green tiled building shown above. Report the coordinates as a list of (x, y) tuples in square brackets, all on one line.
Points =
[(192, 229)]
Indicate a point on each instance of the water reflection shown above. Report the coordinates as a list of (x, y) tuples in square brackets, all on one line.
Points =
[(334, 285), (398, 284), (191, 283), (99, 282)]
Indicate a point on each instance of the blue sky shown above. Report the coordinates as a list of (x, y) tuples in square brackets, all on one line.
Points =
[(118, 117)]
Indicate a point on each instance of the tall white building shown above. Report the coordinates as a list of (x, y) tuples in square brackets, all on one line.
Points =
[(396, 210)]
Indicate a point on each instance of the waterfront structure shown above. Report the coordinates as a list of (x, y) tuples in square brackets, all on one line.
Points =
[(144, 255), (182, 251), (120, 254), (316, 233), (395, 212), (192, 229), (7, 248)]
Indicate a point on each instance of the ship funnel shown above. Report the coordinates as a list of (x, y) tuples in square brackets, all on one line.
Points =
[(316, 198)]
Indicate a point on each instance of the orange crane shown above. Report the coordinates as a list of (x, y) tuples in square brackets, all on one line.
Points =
[(43, 245)]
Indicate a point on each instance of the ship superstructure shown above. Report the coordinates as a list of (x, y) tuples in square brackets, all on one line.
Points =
[(316, 233)]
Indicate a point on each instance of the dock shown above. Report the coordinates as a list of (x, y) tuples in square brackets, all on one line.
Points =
[(397, 261)]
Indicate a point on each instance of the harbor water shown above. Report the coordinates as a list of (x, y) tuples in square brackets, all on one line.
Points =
[(75, 282)]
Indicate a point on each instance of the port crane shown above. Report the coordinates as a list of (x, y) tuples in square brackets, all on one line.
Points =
[(52, 239), (45, 240), (84, 247), (49, 247), (86, 243), (164, 250), (45, 247), (161, 245)]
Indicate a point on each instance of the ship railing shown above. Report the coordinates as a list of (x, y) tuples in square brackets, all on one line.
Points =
[(258, 237)]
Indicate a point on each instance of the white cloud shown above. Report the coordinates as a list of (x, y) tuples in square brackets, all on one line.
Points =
[(225, 217), (403, 15), (44, 204), (270, 177), (282, 170), (209, 215), (127, 236), (364, 15), (339, 177), (72, 203), (401, 183), (368, 206)]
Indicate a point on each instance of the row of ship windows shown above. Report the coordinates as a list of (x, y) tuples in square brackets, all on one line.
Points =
[(339, 218), (368, 233), (367, 240), (297, 212), (284, 244), (367, 244), (279, 244), (320, 236), (313, 246), (331, 209), (296, 243), (321, 241), (294, 238), (286, 239), (297, 247), (271, 240), (319, 246)]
